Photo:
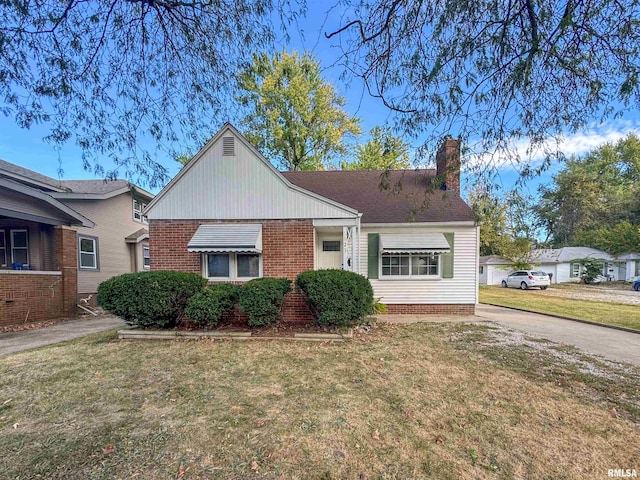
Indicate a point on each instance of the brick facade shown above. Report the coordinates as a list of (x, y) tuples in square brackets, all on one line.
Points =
[(431, 309), (28, 296), (287, 250)]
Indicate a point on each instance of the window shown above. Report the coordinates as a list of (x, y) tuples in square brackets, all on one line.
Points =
[(233, 266), (146, 258), (576, 269), (88, 252), (3, 249), (19, 247), (481, 269), (411, 265), (138, 207), (331, 245)]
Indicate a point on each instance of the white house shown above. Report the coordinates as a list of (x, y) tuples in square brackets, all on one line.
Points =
[(231, 216)]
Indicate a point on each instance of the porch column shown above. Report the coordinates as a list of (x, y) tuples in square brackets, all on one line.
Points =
[(354, 253), (345, 237), (66, 261)]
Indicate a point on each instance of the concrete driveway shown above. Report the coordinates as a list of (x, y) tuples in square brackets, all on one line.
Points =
[(60, 332), (615, 345)]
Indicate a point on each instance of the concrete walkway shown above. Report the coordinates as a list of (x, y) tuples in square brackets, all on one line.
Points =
[(615, 345), (60, 332)]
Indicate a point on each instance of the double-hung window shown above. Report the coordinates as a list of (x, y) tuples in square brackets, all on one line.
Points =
[(576, 269), (88, 253), (410, 265), (233, 266), (19, 247), (138, 207), (146, 258)]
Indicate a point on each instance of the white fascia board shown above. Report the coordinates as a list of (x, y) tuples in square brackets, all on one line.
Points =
[(40, 195), (420, 224), (227, 127), (335, 222)]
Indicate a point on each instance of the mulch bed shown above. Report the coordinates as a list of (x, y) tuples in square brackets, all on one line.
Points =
[(278, 329)]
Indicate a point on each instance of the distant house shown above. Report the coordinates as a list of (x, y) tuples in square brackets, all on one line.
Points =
[(631, 262), (230, 216), (563, 264), (60, 239)]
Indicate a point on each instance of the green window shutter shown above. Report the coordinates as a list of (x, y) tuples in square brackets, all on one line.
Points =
[(447, 258), (372, 253)]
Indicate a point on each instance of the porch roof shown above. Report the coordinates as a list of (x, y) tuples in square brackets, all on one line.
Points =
[(27, 203), (229, 237)]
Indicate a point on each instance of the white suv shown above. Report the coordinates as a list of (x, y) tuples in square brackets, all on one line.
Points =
[(526, 279)]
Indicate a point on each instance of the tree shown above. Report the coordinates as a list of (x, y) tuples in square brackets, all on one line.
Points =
[(506, 228), (622, 238), (495, 71), (599, 190), (108, 74), (296, 116), (383, 151)]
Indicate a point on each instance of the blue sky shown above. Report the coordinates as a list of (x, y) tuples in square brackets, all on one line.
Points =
[(26, 147)]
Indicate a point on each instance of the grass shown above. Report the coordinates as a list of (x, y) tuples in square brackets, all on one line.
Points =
[(536, 301), (441, 401)]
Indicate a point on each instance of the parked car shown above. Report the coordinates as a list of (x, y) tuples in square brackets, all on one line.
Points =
[(636, 285), (526, 279)]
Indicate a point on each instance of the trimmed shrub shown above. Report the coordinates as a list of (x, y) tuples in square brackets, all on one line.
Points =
[(150, 299), (261, 299), (207, 307), (336, 297)]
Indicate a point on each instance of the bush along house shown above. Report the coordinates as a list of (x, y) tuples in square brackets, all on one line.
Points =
[(231, 216)]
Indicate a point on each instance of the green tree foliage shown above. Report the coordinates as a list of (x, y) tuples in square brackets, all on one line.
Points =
[(622, 238), (296, 117), (507, 227), (107, 74), (383, 151), (496, 70), (593, 196)]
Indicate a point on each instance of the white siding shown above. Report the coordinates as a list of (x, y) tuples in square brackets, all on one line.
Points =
[(236, 187), (497, 273), (563, 273), (461, 289)]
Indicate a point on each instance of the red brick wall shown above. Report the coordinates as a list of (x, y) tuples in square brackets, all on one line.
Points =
[(30, 297), (287, 250), (66, 261), (430, 309)]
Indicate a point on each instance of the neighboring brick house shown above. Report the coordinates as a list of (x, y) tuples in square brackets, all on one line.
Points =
[(231, 216), (60, 238)]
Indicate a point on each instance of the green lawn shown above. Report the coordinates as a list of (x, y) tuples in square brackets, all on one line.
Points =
[(540, 302), (441, 401)]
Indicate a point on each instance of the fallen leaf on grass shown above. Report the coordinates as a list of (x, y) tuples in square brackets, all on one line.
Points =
[(614, 413), (254, 465), (376, 435), (16, 425), (108, 449), (439, 440)]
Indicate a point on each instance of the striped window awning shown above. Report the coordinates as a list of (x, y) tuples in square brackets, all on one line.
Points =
[(422, 243), (227, 238)]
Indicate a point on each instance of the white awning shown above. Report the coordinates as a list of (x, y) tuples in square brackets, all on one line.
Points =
[(227, 237), (421, 243)]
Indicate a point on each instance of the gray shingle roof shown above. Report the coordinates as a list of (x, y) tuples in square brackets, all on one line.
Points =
[(360, 189)]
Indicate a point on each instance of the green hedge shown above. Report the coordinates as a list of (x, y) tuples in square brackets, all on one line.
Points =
[(262, 298), (150, 299), (336, 297), (207, 307)]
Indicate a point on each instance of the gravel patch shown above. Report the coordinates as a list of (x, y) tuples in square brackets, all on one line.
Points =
[(595, 294)]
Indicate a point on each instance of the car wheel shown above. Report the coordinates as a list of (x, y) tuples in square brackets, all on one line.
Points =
[(636, 287), (504, 284), (524, 286), (543, 288)]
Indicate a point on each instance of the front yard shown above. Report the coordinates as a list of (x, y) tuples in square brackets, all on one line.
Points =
[(442, 401), (568, 301)]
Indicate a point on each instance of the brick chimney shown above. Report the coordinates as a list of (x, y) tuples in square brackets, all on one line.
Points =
[(448, 164)]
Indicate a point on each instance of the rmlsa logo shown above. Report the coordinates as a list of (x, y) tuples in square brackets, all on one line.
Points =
[(622, 473)]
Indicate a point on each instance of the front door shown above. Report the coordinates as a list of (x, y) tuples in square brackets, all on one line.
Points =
[(330, 253)]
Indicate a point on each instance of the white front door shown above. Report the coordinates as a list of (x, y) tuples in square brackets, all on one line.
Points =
[(330, 252)]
